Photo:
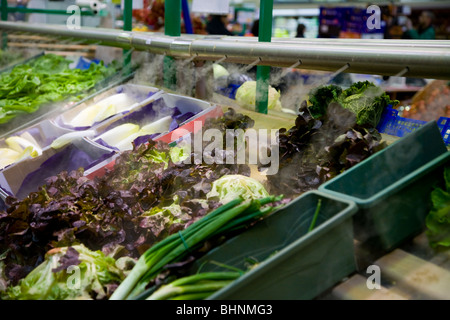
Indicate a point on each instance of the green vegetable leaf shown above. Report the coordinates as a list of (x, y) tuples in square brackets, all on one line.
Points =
[(230, 187), (438, 219), (69, 273)]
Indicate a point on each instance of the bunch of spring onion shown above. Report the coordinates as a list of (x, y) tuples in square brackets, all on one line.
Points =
[(232, 216), (195, 287)]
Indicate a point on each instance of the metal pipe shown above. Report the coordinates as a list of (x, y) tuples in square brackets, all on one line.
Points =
[(423, 62), (107, 37), (422, 59), (352, 42)]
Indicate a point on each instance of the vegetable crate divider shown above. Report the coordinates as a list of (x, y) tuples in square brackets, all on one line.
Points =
[(140, 95), (12, 175), (208, 111), (294, 263), (392, 188)]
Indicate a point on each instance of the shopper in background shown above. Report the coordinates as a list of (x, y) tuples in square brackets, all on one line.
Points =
[(217, 24), (300, 31), (255, 28), (425, 29), (393, 29)]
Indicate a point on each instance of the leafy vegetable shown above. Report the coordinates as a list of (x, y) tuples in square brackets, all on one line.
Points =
[(230, 187), (321, 97), (69, 273), (48, 78), (438, 219), (246, 96), (143, 199), (315, 150), (227, 217), (366, 100)]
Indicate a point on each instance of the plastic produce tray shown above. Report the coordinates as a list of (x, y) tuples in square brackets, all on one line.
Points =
[(294, 263), (201, 112), (391, 188), (140, 96), (27, 176), (391, 123)]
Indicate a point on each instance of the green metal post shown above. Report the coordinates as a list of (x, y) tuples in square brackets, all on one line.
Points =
[(4, 17), (263, 72), (127, 26), (172, 27)]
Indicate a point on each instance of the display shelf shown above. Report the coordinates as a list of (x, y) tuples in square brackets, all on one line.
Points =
[(419, 59)]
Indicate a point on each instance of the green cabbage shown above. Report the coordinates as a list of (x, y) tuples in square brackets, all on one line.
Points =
[(219, 71), (230, 187), (366, 100), (69, 273), (246, 96)]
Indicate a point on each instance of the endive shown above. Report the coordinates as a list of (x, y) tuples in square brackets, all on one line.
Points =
[(119, 133), (19, 143), (67, 138), (158, 126), (102, 110)]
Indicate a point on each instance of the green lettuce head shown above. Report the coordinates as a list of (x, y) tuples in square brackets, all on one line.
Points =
[(230, 187), (246, 96), (69, 273)]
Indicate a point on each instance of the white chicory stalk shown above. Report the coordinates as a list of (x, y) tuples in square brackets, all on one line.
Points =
[(19, 144), (158, 126), (67, 138), (101, 110), (119, 133)]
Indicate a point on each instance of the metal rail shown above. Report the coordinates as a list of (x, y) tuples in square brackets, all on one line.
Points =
[(422, 59)]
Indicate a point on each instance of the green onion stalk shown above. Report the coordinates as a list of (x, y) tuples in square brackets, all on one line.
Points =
[(175, 247), (195, 287)]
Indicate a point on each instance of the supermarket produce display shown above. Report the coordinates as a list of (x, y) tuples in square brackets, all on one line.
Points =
[(103, 196), (147, 205)]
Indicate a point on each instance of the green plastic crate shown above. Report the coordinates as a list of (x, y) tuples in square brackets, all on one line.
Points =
[(391, 188), (294, 263)]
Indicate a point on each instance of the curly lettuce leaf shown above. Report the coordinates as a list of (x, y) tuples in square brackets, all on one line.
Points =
[(69, 273), (230, 187), (438, 219), (321, 97), (366, 100)]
